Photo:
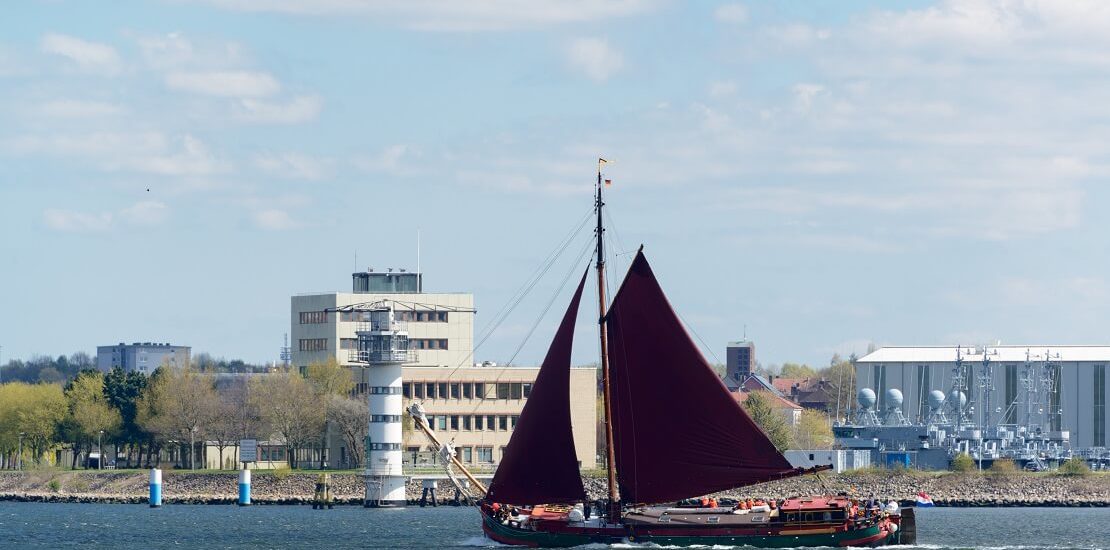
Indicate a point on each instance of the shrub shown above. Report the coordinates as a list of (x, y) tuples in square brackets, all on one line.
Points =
[(54, 485), (1004, 467), (963, 463), (281, 473), (1074, 466)]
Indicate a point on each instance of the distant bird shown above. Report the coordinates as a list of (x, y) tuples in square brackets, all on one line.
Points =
[(147, 189)]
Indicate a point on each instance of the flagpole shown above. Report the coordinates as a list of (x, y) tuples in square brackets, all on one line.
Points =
[(614, 511)]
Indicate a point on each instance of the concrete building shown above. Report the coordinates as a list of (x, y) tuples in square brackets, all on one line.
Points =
[(1061, 390), (397, 338), (142, 357), (840, 459), (739, 363)]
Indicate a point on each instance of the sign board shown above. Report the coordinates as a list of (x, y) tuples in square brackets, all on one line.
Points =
[(248, 450)]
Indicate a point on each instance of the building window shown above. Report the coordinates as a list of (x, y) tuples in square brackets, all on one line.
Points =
[(418, 390), (527, 390), (479, 390), (428, 343), (385, 446), (468, 390), (455, 422), (503, 423), (516, 391), (386, 390), (385, 418), (485, 455), (314, 344), (466, 422), (442, 422), (348, 343), (421, 316), (503, 390), (406, 391), (431, 390), (466, 455), (478, 424), (514, 419), (490, 422), (313, 317), (442, 390), (454, 391), (1100, 406)]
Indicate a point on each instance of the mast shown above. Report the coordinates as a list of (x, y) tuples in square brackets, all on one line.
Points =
[(610, 461)]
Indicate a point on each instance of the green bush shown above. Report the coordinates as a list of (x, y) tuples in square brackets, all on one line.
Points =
[(1004, 467), (54, 485), (1074, 466), (963, 463), (281, 473)]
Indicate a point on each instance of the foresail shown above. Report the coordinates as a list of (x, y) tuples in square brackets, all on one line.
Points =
[(678, 432), (540, 465)]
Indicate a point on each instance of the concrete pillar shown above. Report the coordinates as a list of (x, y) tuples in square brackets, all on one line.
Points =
[(244, 487), (155, 488)]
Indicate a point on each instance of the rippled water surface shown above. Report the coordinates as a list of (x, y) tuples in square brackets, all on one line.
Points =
[(32, 525)]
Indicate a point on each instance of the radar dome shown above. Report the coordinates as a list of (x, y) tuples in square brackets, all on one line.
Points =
[(957, 398), (866, 398), (936, 399), (894, 397)]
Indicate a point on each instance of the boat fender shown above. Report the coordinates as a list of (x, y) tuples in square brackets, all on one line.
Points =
[(893, 528), (576, 515)]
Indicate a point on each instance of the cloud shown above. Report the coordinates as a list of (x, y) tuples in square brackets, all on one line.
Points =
[(731, 13), (192, 159), (300, 109), (145, 213), (294, 165), (722, 89), (594, 57), (143, 152), (390, 160), (76, 222), (224, 83), (76, 108), (274, 220), (92, 57), (452, 15)]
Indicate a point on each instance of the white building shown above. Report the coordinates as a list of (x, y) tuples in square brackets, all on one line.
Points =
[(1056, 388), (840, 459), (142, 357)]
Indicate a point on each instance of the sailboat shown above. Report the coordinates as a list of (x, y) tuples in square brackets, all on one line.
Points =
[(673, 432)]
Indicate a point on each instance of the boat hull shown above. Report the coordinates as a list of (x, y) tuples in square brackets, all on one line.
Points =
[(555, 536)]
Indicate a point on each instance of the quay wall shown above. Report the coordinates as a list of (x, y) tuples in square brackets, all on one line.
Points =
[(947, 489)]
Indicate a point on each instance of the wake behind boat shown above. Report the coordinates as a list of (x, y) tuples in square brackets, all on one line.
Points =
[(658, 456)]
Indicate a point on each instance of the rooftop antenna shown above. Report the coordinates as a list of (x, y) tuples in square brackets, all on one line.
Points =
[(286, 353), (418, 251)]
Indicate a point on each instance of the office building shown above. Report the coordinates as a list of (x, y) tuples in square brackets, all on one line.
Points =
[(739, 363), (142, 357)]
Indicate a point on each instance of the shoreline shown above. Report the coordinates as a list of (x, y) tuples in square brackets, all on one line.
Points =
[(271, 488)]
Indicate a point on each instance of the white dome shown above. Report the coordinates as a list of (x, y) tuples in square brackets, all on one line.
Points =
[(866, 398), (957, 397), (893, 398), (936, 399)]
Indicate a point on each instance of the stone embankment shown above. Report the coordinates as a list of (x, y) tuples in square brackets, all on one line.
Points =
[(297, 488)]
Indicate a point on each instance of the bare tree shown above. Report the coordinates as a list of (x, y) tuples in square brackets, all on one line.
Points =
[(179, 404), (285, 402), (328, 378), (350, 417)]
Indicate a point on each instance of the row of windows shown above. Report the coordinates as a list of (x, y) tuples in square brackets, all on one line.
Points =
[(468, 455), (314, 344), (385, 446), (313, 317), (467, 390), (384, 390), (385, 418), (473, 422), (421, 316), (427, 343)]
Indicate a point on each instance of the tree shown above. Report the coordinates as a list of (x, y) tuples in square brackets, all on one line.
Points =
[(349, 416), (759, 408), (1074, 466), (963, 463), (841, 374), (123, 391), (327, 378), (89, 409), (796, 370), (42, 408), (813, 431), (285, 402), (178, 405)]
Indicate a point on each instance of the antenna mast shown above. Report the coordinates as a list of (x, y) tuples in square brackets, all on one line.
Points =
[(614, 512)]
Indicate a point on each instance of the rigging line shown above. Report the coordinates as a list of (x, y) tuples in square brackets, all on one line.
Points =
[(698, 336), (522, 292), (555, 295)]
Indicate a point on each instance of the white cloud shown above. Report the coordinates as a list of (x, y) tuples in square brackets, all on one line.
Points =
[(145, 213), (453, 15), (144, 152), (594, 57), (76, 108), (731, 13), (295, 165), (722, 89), (192, 159), (274, 220), (92, 57), (300, 109), (224, 83), (76, 222), (391, 160)]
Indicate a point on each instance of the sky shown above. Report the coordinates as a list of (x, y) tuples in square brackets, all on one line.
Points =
[(815, 176)]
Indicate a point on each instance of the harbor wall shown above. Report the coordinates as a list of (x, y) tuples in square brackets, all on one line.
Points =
[(948, 489)]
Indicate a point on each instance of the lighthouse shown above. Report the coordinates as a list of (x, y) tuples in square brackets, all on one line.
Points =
[(383, 346)]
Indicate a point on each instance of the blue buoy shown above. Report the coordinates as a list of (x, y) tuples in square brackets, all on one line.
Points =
[(244, 487), (155, 487)]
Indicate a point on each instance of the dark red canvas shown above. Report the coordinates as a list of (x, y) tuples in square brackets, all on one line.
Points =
[(540, 465), (678, 431)]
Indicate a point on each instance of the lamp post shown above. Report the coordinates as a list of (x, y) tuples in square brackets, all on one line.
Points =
[(19, 457), (192, 448), (99, 451)]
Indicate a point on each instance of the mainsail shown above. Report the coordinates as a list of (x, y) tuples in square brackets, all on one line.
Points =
[(678, 432), (540, 465)]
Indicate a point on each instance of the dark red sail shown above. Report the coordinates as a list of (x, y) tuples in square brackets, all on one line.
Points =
[(540, 465), (678, 431)]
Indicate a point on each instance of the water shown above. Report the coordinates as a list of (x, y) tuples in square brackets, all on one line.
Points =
[(33, 525)]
